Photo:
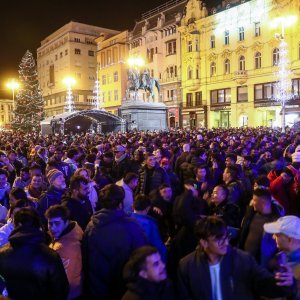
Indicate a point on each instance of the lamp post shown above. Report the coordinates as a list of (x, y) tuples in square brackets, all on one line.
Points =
[(69, 82), (283, 86), (13, 85)]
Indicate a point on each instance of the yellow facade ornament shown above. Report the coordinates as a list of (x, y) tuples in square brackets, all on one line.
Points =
[(226, 54), (257, 46), (212, 56), (241, 50)]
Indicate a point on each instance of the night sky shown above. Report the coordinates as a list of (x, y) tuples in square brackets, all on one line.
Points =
[(24, 24)]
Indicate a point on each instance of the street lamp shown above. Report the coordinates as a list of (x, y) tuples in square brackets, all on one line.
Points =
[(13, 85), (283, 86), (69, 82)]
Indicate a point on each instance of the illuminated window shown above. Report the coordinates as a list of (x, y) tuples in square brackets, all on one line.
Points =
[(212, 41), (227, 66), (213, 69), (257, 59), (171, 47), (242, 63), (242, 93), (220, 96), (241, 34), (275, 57), (226, 37), (257, 29), (103, 79)]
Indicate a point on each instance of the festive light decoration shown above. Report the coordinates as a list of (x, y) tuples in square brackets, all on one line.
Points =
[(29, 106), (283, 86), (69, 82), (96, 92)]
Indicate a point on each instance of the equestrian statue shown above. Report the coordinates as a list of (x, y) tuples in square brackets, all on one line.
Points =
[(141, 81)]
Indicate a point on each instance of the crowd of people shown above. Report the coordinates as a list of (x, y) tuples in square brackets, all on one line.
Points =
[(208, 214)]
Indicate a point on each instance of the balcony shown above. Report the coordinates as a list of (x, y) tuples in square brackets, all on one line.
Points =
[(169, 79), (240, 76)]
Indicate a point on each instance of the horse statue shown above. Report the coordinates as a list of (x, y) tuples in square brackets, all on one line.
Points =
[(133, 83), (148, 83)]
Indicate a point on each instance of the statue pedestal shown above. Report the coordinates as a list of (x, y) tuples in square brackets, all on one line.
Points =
[(144, 115)]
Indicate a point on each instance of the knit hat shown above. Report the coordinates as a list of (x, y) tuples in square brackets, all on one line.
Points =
[(53, 174)]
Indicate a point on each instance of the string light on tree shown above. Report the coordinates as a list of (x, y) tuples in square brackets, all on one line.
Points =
[(69, 82), (97, 93)]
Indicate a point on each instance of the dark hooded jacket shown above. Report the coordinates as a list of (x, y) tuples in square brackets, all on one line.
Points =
[(31, 269), (109, 239), (147, 290)]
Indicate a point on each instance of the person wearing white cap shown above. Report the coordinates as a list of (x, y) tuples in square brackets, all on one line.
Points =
[(286, 232)]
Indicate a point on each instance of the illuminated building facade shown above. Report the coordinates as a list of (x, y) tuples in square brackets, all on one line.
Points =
[(6, 115), (229, 62), (69, 51), (112, 70), (155, 38)]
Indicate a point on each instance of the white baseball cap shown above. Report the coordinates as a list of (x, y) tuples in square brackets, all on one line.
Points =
[(288, 225)]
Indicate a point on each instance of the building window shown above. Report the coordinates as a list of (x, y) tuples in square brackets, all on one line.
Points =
[(91, 53), (213, 69), (242, 93), (171, 47), (66, 52), (226, 37), (296, 88), (220, 96), (257, 59), (242, 63), (150, 55), (264, 91), (103, 79), (51, 75), (109, 96), (109, 78), (77, 40), (212, 41), (189, 99), (116, 76), (227, 66), (116, 95), (108, 57), (257, 29), (55, 56), (241, 34), (189, 46), (198, 99), (190, 73), (275, 57), (60, 55), (77, 51)]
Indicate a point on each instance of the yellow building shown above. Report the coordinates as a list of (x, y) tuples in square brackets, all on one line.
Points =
[(6, 114), (111, 57), (69, 51), (156, 39), (230, 62)]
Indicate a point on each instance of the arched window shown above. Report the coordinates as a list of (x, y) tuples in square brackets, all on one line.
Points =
[(257, 59), (275, 57), (213, 69), (242, 63), (190, 72), (227, 66)]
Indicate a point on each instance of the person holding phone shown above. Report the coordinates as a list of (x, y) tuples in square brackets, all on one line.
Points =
[(286, 232)]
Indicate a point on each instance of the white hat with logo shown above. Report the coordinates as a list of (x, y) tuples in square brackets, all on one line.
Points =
[(288, 225)]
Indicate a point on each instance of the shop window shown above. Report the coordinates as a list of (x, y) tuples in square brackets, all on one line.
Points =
[(242, 93)]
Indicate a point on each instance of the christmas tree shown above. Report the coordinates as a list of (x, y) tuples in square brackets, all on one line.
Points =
[(29, 100)]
